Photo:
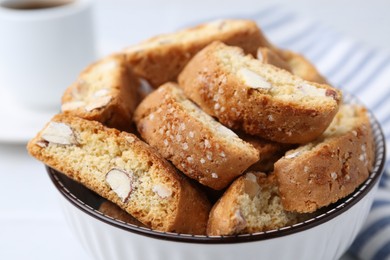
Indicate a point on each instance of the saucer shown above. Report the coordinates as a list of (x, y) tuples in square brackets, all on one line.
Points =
[(20, 124)]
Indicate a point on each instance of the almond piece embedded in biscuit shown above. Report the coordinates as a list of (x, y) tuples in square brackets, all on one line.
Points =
[(310, 90), (251, 186), (130, 139), (98, 99), (291, 155), (101, 92), (73, 105), (162, 191), (120, 182), (253, 80), (239, 221), (59, 133), (98, 103)]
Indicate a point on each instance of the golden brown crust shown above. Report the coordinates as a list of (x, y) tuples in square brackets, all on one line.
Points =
[(160, 59), (325, 171), (106, 91), (97, 150), (208, 81), (195, 143)]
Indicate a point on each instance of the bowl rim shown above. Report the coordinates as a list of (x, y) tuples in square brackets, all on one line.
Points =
[(342, 206)]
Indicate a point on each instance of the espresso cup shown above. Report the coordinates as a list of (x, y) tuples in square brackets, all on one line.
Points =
[(43, 47)]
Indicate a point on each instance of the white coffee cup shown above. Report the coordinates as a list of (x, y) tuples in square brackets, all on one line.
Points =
[(42, 50)]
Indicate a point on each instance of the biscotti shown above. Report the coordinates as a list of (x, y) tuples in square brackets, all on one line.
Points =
[(123, 169), (211, 115), (260, 99), (251, 204), (193, 141), (330, 168), (107, 91), (160, 59), (301, 67)]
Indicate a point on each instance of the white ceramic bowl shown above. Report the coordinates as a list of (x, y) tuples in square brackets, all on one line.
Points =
[(326, 236)]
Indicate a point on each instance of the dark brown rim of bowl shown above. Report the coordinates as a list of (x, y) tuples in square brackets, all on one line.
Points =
[(336, 209)]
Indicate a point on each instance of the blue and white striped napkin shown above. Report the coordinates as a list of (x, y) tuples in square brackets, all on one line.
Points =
[(357, 69)]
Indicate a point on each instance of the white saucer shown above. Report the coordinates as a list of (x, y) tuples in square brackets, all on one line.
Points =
[(20, 124)]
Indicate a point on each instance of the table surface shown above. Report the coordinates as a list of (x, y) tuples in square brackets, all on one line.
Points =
[(31, 221)]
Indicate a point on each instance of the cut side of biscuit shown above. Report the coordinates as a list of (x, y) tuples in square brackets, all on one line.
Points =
[(107, 91), (123, 169), (160, 59), (330, 168), (251, 204), (260, 99), (193, 141)]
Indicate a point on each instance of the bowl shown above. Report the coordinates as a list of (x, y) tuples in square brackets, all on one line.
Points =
[(326, 236)]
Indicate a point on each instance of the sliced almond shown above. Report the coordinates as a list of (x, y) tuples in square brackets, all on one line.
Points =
[(252, 188), (98, 103), (311, 90), (130, 139), (73, 105), (239, 221), (253, 79), (292, 155), (250, 177), (162, 190), (59, 133), (42, 144), (101, 92), (120, 182)]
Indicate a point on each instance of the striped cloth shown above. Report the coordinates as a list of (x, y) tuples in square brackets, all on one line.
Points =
[(357, 69)]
